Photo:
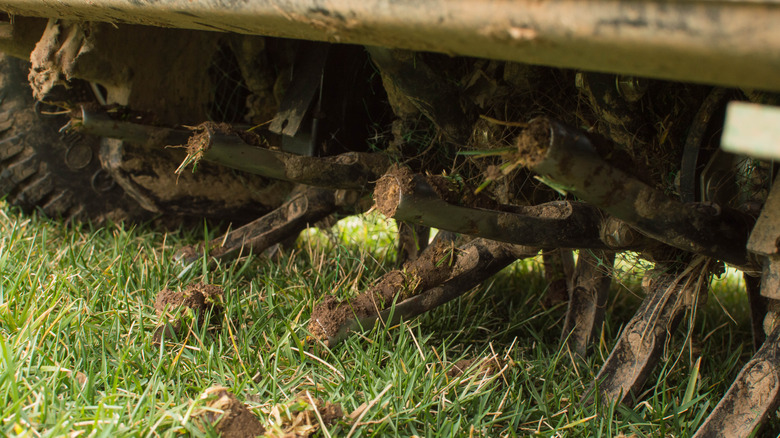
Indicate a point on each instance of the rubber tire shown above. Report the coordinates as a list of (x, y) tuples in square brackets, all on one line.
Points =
[(41, 168)]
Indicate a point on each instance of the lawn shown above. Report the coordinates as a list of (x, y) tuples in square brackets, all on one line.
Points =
[(80, 357)]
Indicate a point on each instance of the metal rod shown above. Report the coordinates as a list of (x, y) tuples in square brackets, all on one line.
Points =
[(751, 399), (587, 299), (642, 340), (352, 170), (568, 158), (559, 224), (474, 262), (734, 43), (287, 221)]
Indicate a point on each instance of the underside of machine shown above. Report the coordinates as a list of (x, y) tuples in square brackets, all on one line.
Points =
[(516, 128)]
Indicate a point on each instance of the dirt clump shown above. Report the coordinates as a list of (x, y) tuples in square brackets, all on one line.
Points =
[(301, 417), (533, 142), (229, 416), (400, 181), (387, 193), (201, 139), (177, 309)]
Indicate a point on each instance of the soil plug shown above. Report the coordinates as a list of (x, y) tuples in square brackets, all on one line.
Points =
[(302, 417), (229, 416), (179, 309)]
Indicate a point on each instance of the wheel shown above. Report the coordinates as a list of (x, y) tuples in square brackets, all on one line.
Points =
[(44, 168)]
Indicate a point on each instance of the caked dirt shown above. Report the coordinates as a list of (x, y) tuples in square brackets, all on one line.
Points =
[(177, 309), (200, 141), (434, 266), (387, 193), (229, 416), (400, 181), (533, 142)]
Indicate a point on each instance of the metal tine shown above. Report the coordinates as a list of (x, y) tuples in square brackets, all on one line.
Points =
[(755, 393), (287, 221), (587, 298), (419, 288), (549, 147), (349, 171), (410, 197), (558, 274), (640, 345)]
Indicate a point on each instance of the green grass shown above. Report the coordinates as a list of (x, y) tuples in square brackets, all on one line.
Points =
[(77, 357)]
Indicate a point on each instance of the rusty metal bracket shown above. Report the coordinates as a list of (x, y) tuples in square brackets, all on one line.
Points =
[(307, 74), (302, 103)]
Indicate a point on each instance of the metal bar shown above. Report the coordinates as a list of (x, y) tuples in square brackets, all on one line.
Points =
[(559, 224), (732, 43), (642, 341), (751, 399), (587, 299), (567, 157), (287, 221), (352, 170), (474, 262)]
